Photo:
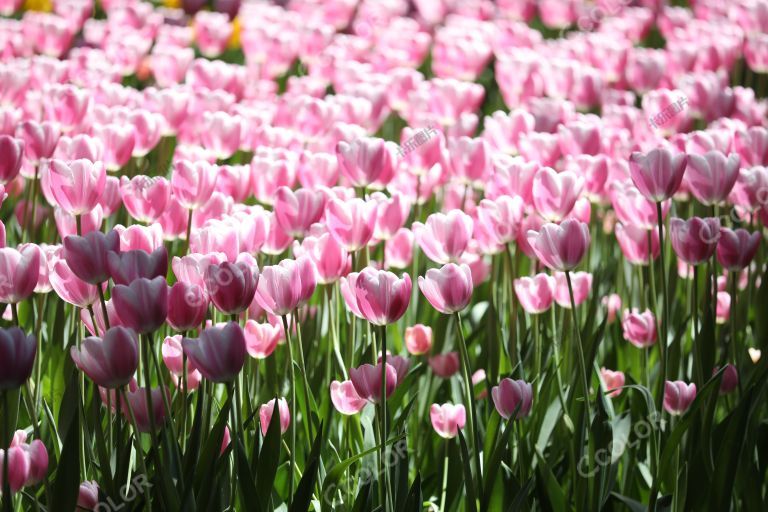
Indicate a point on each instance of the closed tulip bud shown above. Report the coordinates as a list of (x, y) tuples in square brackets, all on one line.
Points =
[(447, 419), (560, 247), (143, 304), (367, 380), (613, 381), (512, 397), (612, 304), (398, 250), (381, 297), (219, 353), (639, 328), (345, 399), (729, 380), (88, 495), (658, 173), (737, 248), (330, 259), (187, 305), (231, 286), (722, 307), (77, 185), (40, 139), (17, 356), (366, 161), (19, 273), (711, 176), (267, 410), (283, 287), (555, 194), (694, 240), (581, 282), (261, 339), (296, 211), (11, 153), (678, 396), (418, 339), (536, 293), (445, 365), (448, 289), (192, 183), (633, 241), (351, 222), (138, 404), (111, 361), (87, 256)]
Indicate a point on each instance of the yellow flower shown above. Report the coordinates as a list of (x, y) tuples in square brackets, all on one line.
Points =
[(172, 4), (234, 41), (38, 5)]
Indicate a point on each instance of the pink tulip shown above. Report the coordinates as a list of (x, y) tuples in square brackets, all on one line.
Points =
[(444, 237), (140, 407), (11, 153), (418, 339), (88, 495), (27, 462), (222, 133), (137, 237), (366, 161), (145, 198), (296, 211), (127, 266), (729, 380), (560, 247), (267, 410), (634, 240), (737, 248), (261, 339), (445, 365), (639, 328), (345, 399), (710, 177), (469, 159), (448, 289), (147, 131), (143, 304), (391, 214), (68, 286), (658, 173), (19, 273), (722, 307), (536, 293), (581, 283), (192, 183), (381, 297), (749, 192), (752, 145), (187, 306), (87, 256), (111, 361), (678, 396), (191, 268), (512, 397), (351, 222), (632, 208), (555, 194), (231, 286), (219, 353), (501, 218), (76, 186), (330, 259), (118, 141), (694, 240), (614, 380), (40, 139), (612, 303), (281, 288), (398, 250), (447, 419), (17, 357), (367, 381)]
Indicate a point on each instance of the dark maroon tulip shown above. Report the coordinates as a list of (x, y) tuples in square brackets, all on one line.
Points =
[(110, 362), (219, 353), (230, 7), (231, 286), (17, 356), (126, 267), (729, 380), (87, 255), (192, 6), (187, 304), (143, 304)]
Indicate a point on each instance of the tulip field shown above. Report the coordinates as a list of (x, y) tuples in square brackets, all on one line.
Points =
[(383, 255)]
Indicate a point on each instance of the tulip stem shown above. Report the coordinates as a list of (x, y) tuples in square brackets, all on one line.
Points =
[(383, 470), (445, 475), (582, 363), (303, 370), (292, 425), (7, 496), (103, 309), (665, 306), (137, 442), (473, 433), (15, 314), (189, 231), (79, 225), (556, 351)]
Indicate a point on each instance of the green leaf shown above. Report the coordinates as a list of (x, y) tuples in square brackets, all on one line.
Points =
[(469, 481), (245, 478), (66, 485), (550, 493), (414, 501), (303, 495), (269, 458)]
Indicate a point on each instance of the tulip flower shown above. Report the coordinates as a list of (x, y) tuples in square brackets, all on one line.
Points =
[(40, 139), (330, 259), (345, 399), (219, 353), (678, 396), (694, 240), (449, 288), (19, 273), (187, 306), (639, 328), (143, 304), (560, 247), (447, 419), (145, 198), (87, 256), (27, 462), (536, 293), (555, 194), (296, 211), (11, 152), (68, 286), (658, 173), (17, 356), (261, 339), (512, 397), (445, 365), (351, 222), (501, 217), (722, 307), (137, 401), (367, 380), (76, 186), (281, 288), (398, 250), (267, 410), (192, 183), (381, 297), (366, 161), (737, 248), (125, 267), (581, 283), (418, 339), (612, 304), (614, 380), (111, 361), (88, 495), (729, 380), (634, 243), (711, 176), (444, 237), (231, 286)]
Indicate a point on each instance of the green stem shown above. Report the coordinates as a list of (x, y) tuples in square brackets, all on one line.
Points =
[(467, 378), (292, 426), (580, 353)]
